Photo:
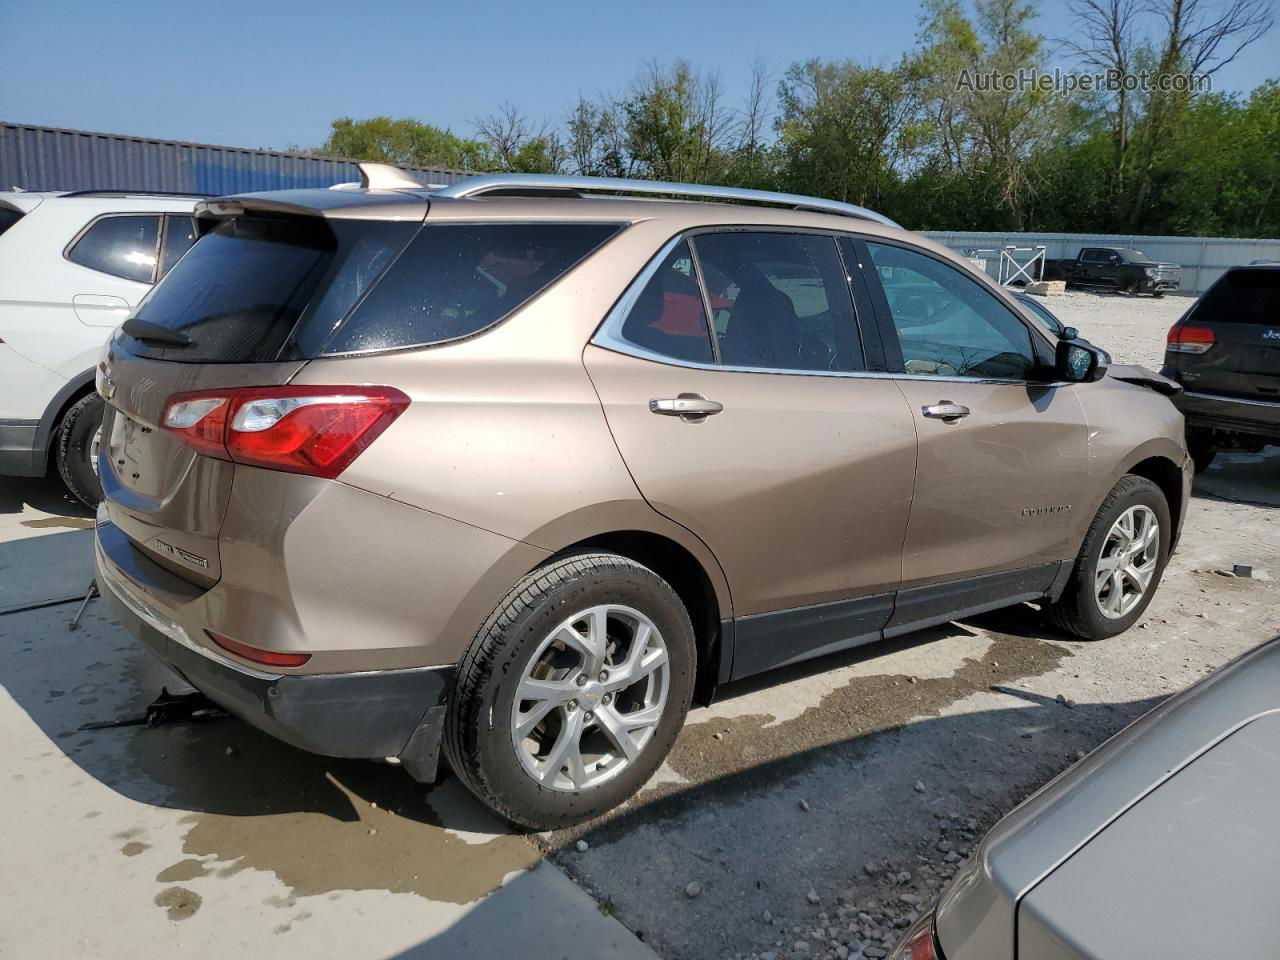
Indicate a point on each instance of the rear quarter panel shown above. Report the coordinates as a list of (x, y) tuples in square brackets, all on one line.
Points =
[(505, 430)]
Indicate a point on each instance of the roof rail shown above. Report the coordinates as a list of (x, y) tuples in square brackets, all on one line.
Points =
[(180, 194), (533, 183)]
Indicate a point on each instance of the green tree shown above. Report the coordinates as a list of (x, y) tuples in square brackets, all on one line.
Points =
[(842, 129), (514, 144), (677, 126), (988, 131), (405, 142)]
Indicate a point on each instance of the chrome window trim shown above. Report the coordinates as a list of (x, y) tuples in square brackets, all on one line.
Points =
[(609, 337), (615, 345)]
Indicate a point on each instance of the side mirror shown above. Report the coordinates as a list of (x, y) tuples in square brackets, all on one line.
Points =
[(1077, 361), (1068, 333)]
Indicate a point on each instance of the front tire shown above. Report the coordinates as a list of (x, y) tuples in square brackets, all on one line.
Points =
[(1120, 563), (573, 692), (79, 436)]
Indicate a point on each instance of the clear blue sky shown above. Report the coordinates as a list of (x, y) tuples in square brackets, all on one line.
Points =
[(271, 73)]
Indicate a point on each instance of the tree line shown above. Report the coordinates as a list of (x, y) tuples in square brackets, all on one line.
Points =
[(936, 140)]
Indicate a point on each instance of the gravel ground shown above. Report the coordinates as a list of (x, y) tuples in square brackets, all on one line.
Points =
[(1131, 329), (811, 813)]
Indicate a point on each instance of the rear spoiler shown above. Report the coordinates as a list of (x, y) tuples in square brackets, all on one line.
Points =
[(19, 208), (209, 212), (318, 202)]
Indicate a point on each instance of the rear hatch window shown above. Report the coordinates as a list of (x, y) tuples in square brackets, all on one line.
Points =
[(8, 217), (1242, 296), (243, 290), (256, 290)]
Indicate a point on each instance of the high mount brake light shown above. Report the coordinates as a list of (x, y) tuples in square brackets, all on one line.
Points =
[(316, 431), (1190, 339)]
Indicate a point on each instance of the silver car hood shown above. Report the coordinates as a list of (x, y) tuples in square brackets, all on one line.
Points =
[(977, 915)]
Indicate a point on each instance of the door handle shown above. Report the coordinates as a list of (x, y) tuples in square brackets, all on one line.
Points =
[(687, 406), (945, 410)]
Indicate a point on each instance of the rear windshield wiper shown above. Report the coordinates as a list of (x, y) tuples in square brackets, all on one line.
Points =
[(155, 333)]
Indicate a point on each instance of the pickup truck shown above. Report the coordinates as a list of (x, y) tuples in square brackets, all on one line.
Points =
[(1116, 268)]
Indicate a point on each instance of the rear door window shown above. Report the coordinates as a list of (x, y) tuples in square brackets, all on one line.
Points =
[(123, 246), (668, 317), (457, 279), (1242, 296), (179, 235), (781, 301)]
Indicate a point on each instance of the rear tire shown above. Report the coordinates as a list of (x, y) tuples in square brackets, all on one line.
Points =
[(519, 775), (76, 451), (1080, 610)]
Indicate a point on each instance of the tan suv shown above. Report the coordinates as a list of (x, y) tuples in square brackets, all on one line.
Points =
[(517, 470)]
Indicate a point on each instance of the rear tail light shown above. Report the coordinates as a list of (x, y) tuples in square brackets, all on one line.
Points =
[(920, 942), (318, 431), (268, 657), (1190, 339)]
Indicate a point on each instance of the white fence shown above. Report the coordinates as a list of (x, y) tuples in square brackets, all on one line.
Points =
[(1203, 259)]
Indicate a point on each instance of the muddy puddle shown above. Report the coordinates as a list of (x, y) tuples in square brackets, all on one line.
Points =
[(319, 825)]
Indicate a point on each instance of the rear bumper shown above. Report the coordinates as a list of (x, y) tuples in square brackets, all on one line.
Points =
[(1208, 411), (374, 715), (20, 455)]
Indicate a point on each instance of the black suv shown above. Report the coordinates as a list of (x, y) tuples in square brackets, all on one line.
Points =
[(1225, 351)]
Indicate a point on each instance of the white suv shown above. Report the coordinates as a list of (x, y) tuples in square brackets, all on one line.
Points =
[(72, 267)]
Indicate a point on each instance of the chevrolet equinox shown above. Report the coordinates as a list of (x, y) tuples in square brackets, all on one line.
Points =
[(511, 470)]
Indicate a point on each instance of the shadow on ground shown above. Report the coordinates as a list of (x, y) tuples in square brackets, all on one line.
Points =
[(46, 494), (1242, 478)]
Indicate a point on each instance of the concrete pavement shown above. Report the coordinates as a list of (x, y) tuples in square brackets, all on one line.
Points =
[(213, 840)]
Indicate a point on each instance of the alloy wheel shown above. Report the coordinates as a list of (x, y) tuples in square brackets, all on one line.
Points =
[(590, 698), (1128, 561)]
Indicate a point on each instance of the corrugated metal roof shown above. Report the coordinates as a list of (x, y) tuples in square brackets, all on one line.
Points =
[(49, 158)]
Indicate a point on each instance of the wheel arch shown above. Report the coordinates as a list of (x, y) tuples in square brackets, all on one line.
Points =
[(72, 391), (635, 530), (1168, 476)]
